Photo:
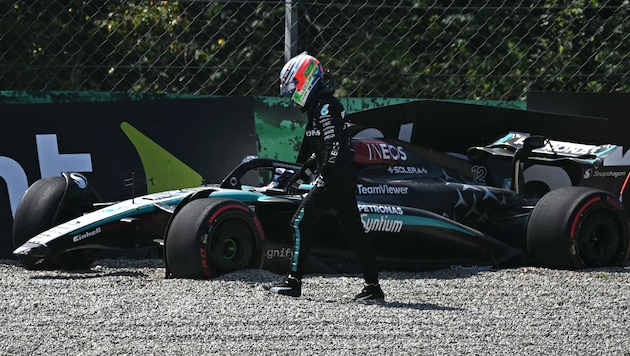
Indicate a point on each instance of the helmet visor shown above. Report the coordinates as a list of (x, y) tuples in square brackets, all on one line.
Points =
[(287, 89)]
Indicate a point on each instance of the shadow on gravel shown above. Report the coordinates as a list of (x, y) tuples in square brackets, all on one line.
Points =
[(447, 273), (417, 306), (89, 275), (604, 270), (396, 305), (401, 305)]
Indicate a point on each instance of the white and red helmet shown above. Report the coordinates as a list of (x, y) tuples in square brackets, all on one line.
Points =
[(300, 77)]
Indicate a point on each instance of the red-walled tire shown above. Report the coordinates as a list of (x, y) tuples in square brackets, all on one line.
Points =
[(210, 237), (578, 227)]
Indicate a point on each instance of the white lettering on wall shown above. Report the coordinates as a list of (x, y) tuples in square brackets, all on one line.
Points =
[(51, 163), (16, 181)]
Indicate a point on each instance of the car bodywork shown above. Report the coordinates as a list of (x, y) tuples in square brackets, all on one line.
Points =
[(423, 209)]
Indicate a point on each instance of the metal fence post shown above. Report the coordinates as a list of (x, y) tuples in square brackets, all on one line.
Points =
[(290, 30)]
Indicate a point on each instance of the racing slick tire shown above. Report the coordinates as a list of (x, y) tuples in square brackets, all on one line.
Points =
[(578, 227), (48, 202), (209, 237)]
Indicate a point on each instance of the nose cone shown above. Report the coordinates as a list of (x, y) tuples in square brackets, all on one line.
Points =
[(32, 249)]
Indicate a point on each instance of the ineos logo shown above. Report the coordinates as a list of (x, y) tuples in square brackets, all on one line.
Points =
[(384, 151)]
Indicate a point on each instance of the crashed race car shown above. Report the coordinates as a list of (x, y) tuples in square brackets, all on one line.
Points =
[(521, 200)]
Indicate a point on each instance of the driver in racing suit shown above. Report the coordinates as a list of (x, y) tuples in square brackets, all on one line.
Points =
[(332, 159)]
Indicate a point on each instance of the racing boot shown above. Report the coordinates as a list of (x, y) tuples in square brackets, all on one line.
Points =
[(371, 291), (292, 286)]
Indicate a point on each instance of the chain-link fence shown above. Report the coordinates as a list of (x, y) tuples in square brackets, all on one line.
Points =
[(449, 49)]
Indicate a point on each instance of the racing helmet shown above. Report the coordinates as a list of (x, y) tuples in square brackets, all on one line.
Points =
[(300, 78)]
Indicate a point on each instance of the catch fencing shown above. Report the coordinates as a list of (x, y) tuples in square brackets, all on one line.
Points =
[(449, 49)]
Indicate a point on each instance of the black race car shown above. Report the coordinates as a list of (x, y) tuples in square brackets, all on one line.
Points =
[(522, 199)]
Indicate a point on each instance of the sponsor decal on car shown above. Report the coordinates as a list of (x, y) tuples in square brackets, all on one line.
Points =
[(382, 189), (279, 253), (384, 151), (382, 223), (611, 174), (590, 173), (406, 170), (381, 209), (570, 148), (286, 166), (86, 234), (373, 152)]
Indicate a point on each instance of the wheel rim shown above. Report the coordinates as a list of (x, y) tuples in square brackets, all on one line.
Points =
[(599, 240), (229, 249), (231, 245)]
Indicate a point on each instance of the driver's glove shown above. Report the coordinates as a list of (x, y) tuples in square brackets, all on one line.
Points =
[(293, 186)]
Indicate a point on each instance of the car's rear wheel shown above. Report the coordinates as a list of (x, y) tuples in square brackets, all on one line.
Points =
[(578, 227), (209, 237), (48, 202)]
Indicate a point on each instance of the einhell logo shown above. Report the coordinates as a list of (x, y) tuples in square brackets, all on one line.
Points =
[(86, 234)]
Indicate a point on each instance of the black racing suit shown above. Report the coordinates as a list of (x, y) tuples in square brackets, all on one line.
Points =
[(335, 187)]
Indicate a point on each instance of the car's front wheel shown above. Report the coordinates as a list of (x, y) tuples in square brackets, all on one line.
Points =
[(48, 202), (209, 237)]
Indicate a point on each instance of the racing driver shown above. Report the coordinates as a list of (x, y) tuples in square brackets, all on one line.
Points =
[(332, 160)]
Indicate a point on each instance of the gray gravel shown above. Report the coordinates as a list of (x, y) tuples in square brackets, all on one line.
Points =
[(127, 307)]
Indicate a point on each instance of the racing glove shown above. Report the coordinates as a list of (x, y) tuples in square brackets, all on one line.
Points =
[(293, 185), (293, 188)]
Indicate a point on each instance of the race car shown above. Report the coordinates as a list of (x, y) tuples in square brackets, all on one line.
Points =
[(520, 200)]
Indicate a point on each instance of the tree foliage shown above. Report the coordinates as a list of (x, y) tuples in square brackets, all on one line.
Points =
[(409, 48)]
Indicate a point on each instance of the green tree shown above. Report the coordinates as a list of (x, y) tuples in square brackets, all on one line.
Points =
[(457, 49)]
